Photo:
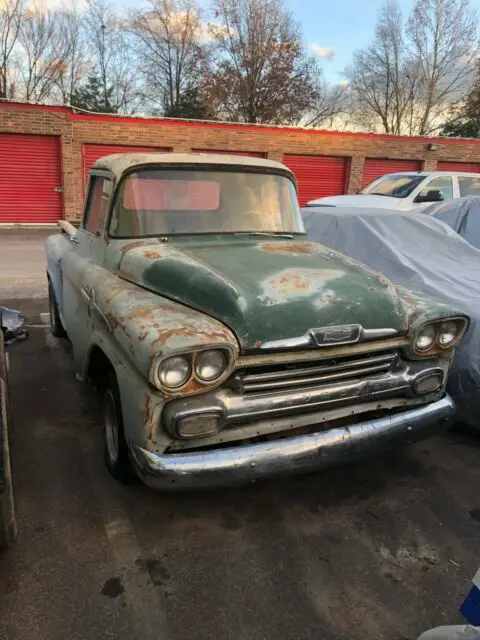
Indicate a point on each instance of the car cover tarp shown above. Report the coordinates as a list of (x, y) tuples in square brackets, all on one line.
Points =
[(11, 325), (422, 254)]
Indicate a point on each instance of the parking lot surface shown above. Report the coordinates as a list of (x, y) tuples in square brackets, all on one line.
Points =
[(381, 549)]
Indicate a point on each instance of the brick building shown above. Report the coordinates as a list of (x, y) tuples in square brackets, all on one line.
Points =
[(46, 152)]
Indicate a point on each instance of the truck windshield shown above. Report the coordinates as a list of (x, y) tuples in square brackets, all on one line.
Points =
[(399, 186), (195, 201)]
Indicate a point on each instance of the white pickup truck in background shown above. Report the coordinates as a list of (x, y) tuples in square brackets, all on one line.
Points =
[(408, 191)]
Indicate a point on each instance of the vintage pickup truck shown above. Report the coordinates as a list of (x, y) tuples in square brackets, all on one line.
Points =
[(226, 346)]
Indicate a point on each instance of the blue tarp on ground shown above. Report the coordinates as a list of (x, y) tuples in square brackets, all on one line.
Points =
[(419, 253)]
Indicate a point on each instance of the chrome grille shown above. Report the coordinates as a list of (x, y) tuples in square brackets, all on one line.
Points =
[(265, 379)]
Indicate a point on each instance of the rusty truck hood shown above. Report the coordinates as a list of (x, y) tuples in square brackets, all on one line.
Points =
[(264, 290)]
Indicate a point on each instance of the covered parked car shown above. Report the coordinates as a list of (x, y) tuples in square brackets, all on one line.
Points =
[(8, 525), (462, 215), (227, 347), (422, 254), (408, 191)]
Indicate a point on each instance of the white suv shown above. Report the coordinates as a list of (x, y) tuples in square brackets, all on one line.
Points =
[(408, 191)]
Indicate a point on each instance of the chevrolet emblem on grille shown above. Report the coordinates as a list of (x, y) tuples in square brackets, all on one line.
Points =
[(340, 334)]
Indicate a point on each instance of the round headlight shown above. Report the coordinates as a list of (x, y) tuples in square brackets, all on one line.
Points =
[(209, 365), (174, 372), (447, 333), (425, 338)]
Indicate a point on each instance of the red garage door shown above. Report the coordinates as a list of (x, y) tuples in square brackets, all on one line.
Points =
[(317, 176), (376, 167), (92, 152), (469, 167), (31, 179), (252, 154)]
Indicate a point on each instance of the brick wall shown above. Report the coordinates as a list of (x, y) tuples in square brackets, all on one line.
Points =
[(75, 130)]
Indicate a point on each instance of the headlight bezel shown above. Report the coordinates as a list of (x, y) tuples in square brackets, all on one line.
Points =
[(437, 348), (193, 382)]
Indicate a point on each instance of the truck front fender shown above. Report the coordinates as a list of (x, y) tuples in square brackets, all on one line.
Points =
[(144, 325)]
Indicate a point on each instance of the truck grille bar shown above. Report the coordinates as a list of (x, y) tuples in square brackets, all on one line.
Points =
[(294, 376)]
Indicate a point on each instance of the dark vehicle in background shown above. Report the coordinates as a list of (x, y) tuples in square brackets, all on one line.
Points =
[(8, 526), (462, 215), (419, 253)]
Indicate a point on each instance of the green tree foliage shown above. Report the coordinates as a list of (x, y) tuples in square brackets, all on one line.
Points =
[(190, 106), (466, 122), (92, 96)]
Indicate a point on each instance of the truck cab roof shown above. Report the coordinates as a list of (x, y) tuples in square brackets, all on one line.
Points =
[(118, 163)]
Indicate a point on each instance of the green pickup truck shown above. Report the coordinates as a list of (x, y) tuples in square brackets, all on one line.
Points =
[(226, 346)]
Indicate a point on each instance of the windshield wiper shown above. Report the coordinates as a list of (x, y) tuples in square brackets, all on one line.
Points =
[(271, 234)]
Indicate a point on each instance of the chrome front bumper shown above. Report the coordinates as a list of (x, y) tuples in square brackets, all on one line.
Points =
[(240, 464)]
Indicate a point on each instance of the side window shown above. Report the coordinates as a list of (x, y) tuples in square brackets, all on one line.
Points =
[(97, 205), (469, 186), (471, 229), (443, 184)]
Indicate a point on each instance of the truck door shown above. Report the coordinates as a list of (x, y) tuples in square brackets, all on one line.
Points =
[(87, 251)]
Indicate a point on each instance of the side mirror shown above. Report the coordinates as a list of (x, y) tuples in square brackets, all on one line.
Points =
[(431, 196)]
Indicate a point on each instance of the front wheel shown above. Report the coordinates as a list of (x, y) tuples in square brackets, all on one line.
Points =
[(117, 457)]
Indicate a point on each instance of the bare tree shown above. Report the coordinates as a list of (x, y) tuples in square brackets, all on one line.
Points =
[(72, 47), (261, 72), (11, 12), (443, 35), (330, 103), (381, 77), (112, 57), (410, 75), (44, 50), (172, 53)]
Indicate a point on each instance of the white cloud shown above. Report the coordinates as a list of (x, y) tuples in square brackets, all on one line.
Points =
[(208, 31), (41, 5), (205, 31), (326, 53)]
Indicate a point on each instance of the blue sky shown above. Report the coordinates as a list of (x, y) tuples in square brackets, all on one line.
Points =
[(339, 25), (342, 25)]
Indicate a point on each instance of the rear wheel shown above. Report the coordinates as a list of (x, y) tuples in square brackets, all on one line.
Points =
[(56, 326), (8, 523), (117, 457)]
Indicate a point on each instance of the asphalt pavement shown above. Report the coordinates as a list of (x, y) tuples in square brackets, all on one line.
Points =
[(381, 549)]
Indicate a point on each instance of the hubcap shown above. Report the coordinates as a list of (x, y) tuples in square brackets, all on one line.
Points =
[(110, 421)]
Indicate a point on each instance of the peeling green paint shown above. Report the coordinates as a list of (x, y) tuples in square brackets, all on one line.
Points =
[(265, 291)]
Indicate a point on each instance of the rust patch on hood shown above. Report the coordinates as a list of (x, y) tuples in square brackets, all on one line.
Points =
[(140, 312), (299, 248), (152, 255), (298, 282), (164, 335)]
